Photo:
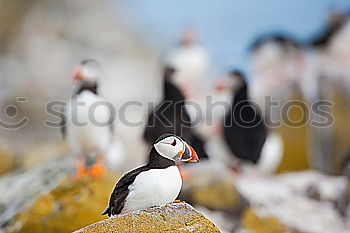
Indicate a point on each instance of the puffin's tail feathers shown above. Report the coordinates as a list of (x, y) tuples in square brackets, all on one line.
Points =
[(107, 211)]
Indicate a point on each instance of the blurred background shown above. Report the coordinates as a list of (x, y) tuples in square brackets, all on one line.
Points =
[(293, 51)]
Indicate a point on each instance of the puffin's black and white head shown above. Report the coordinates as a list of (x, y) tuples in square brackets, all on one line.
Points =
[(175, 148), (88, 70), (188, 37)]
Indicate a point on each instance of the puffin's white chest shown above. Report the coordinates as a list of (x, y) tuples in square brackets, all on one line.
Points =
[(153, 188), (87, 126)]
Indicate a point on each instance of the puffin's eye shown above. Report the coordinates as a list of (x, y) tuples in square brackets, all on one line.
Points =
[(173, 143)]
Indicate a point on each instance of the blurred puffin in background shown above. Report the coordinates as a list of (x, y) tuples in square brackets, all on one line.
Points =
[(87, 121), (278, 68), (336, 20), (171, 116), (191, 62), (245, 132)]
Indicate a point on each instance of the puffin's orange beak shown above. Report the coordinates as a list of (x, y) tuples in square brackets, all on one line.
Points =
[(194, 156), (220, 87), (189, 155), (76, 75)]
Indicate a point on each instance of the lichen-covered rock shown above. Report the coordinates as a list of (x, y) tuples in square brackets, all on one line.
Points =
[(216, 196), (213, 188), (24, 187), (286, 198), (254, 223), (177, 217), (70, 206), (295, 156)]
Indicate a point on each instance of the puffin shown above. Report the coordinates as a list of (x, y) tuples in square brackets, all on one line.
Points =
[(191, 61), (336, 20), (245, 132), (157, 183), (87, 121), (171, 116)]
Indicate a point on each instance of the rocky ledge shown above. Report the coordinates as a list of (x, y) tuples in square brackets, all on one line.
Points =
[(177, 217)]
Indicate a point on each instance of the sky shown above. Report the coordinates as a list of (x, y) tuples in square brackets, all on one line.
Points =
[(226, 27)]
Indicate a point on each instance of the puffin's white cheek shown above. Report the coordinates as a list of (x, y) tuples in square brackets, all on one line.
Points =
[(166, 150), (171, 152)]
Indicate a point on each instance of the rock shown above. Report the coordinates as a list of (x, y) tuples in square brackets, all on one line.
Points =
[(224, 221), (216, 196), (284, 197), (295, 141), (70, 206), (24, 187), (179, 217), (212, 186), (254, 223)]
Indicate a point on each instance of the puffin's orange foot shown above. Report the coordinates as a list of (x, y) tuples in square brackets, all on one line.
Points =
[(96, 170), (176, 201), (80, 171)]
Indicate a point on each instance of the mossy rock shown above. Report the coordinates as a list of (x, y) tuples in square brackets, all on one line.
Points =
[(214, 190), (70, 206), (216, 196), (295, 139), (179, 217), (269, 224)]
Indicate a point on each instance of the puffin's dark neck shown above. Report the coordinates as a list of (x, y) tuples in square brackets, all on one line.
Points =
[(87, 86), (158, 161), (172, 93), (241, 95), (326, 36), (240, 109)]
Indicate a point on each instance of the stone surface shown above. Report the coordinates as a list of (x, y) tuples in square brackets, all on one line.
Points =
[(22, 188), (179, 217), (295, 156), (254, 223), (212, 186), (216, 196), (70, 206), (287, 198)]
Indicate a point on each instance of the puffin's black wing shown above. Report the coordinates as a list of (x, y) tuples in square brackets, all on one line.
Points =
[(121, 191), (244, 128), (245, 139), (63, 121)]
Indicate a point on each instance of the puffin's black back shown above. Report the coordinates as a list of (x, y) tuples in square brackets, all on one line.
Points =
[(244, 129)]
